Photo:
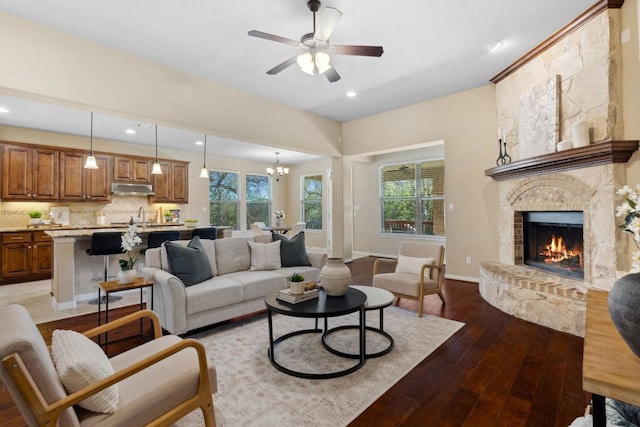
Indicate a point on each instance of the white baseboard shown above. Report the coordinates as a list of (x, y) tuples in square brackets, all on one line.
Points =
[(62, 306), (462, 278)]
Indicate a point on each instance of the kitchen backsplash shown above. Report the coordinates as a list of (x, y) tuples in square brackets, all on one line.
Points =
[(121, 209)]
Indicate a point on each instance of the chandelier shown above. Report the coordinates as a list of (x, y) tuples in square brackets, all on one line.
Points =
[(277, 171)]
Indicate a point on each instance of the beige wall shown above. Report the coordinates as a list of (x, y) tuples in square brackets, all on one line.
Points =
[(466, 122), (47, 64)]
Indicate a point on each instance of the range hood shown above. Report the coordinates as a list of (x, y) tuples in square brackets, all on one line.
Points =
[(122, 189)]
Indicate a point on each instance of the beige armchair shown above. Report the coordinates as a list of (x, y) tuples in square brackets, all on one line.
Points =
[(419, 272), (159, 381)]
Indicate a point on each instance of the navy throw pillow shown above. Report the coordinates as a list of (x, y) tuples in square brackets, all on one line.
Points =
[(189, 263), (292, 251)]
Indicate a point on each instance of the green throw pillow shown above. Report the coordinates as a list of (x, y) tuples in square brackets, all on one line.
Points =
[(189, 263), (292, 251)]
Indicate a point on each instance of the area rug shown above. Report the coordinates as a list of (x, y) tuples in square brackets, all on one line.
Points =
[(251, 392)]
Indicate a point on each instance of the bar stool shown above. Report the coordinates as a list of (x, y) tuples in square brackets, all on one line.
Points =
[(105, 244), (156, 238), (205, 233)]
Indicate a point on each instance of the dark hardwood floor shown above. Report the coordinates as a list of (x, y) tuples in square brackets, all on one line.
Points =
[(496, 371)]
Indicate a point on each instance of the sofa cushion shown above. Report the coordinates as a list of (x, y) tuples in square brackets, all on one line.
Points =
[(265, 256), (232, 254), (189, 263), (217, 292), (81, 362), (292, 251), (257, 284)]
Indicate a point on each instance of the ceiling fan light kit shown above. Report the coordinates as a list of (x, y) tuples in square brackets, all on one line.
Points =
[(316, 58)]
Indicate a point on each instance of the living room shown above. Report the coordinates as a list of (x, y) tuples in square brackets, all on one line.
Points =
[(462, 125)]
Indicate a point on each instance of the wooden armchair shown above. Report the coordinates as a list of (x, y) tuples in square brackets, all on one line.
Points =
[(159, 381), (419, 272)]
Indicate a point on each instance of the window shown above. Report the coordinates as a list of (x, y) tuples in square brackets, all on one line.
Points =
[(258, 191), (224, 198), (412, 198), (312, 201)]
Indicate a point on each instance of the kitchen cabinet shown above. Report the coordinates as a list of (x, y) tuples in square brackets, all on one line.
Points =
[(29, 173), (133, 170), (80, 184), (173, 185), (25, 256)]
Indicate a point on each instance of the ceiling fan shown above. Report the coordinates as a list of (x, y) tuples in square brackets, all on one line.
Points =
[(317, 49)]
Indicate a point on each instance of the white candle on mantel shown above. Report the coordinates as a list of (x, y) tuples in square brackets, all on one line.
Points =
[(580, 131), (499, 133)]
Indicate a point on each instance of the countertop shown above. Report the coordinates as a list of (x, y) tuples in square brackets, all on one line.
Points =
[(90, 228), (80, 232)]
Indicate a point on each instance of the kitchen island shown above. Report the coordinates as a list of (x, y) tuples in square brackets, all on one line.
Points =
[(75, 274)]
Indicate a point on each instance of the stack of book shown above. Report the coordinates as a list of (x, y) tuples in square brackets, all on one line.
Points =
[(286, 296)]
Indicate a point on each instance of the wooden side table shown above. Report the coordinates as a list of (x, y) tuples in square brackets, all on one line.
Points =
[(113, 286), (609, 367)]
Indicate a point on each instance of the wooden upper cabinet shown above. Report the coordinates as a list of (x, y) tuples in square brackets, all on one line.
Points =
[(180, 182), (78, 183), (131, 170), (29, 173), (173, 185)]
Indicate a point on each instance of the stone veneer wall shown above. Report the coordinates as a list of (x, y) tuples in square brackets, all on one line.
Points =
[(588, 61)]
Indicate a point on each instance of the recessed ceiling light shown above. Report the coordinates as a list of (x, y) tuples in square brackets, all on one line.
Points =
[(492, 46), (130, 131), (3, 110), (199, 143), (351, 93)]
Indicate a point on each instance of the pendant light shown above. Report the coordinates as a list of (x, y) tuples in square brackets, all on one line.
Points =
[(156, 170), (204, 172), (91, 159)]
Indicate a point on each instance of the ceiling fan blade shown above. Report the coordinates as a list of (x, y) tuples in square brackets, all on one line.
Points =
[(289, 62), (332, 75), (358, 50), (329, 17), (273, 37)]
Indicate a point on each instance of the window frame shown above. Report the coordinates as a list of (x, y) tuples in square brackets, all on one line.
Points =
[(418, 199), (237, 202), (303, 202), (269, 201)]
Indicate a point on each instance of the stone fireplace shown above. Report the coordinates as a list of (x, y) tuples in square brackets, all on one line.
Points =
[(572, 192), (573, 76)]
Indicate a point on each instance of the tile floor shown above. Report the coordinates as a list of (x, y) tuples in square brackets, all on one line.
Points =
[(36, 298)]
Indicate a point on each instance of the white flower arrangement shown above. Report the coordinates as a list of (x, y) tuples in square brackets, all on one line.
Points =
[(629, 210), (279, 213), (129, 239)]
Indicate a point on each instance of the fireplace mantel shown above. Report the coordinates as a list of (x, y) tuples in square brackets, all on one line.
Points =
[(592, 155)]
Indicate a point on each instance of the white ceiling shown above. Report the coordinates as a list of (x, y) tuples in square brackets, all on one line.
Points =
[(431, 49)]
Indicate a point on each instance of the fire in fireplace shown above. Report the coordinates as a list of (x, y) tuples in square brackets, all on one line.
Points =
[(553, 242)]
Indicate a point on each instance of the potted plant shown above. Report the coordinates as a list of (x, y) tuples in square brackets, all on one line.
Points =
[(191, 223), (296, 284), (129, 239), (35, 217)]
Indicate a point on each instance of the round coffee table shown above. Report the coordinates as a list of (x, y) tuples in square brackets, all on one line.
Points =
[(322, 307), (377, 299)]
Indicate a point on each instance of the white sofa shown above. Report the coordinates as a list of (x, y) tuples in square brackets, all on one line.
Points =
[(235, 290)]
